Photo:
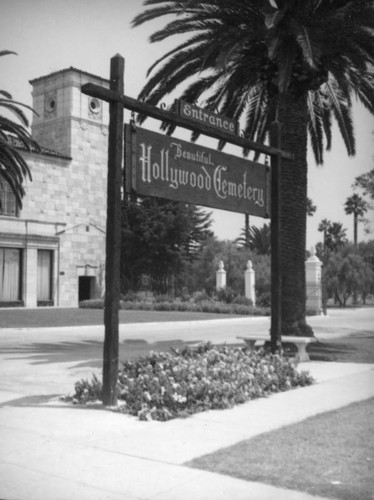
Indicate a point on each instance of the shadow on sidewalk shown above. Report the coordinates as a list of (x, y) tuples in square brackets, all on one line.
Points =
[(48, 401), (87, 354), (358, 348), (28, 401)]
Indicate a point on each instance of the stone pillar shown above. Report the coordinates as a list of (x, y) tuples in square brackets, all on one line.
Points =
[(313, 283), (30, 277), (220, 276), (249, 277)]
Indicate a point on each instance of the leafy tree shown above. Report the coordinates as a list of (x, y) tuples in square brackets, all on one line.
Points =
[(235, 258), (203, 270), (160, 241), (366, 250), (262, 268), (258, 61), (210, 253), (347, 274), (13, 168), (366, 183), (310, 208), (256, 239), (358, 207)]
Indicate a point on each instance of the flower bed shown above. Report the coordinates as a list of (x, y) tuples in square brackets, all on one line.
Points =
[(162, 386)]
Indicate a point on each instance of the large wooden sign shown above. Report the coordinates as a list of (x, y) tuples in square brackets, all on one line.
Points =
[(167, 167), (159, 165)]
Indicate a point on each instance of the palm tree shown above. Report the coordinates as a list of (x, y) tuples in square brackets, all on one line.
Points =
[(258, 61), (336, 236), (13, 168), (256, 239), (323, 227), (358, 207)]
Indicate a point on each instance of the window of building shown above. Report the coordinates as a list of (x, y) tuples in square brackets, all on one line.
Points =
[(10, 274), (44, 284), (8, 205)]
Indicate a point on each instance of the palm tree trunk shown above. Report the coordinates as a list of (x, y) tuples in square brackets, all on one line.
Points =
[(355, 222), (293, 117)]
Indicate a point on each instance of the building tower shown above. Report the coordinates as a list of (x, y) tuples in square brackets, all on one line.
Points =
[(76, 125), (53, 250)]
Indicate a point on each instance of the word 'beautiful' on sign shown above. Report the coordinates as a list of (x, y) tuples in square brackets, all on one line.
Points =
[(167, 167), (203, 116)]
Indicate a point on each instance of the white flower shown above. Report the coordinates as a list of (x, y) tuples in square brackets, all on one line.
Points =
[(147, 396), (178, 398)]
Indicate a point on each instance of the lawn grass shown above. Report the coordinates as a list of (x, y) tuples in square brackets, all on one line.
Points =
[(47, 317), (357, 348), (330, 455)]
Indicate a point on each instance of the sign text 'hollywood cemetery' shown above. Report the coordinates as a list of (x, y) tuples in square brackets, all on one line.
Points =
[(167, 167)]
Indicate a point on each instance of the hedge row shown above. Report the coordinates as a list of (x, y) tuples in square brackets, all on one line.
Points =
[(203, 306)]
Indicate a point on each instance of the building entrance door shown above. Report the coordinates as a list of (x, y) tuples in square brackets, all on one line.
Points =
[(86, 287)]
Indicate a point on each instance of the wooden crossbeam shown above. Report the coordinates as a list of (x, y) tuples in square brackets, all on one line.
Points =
[(160, 114)]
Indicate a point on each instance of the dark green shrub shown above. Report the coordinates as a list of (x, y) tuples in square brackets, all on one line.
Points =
[(263, 299), (201, 297), (227, 295), (208, 306), (243, 301), (163, 298), (88, 391), (92, 304)]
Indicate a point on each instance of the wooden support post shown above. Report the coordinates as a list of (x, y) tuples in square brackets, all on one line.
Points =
[(276, 269), (113, 235)]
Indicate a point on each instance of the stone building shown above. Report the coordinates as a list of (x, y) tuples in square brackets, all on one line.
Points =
[(52, 251)]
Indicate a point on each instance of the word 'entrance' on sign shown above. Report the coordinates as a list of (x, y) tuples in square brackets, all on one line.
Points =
[(205, 117), (166, 167)]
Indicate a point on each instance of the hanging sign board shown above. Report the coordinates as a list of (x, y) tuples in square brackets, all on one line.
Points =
[(205, 117), (167, 167)]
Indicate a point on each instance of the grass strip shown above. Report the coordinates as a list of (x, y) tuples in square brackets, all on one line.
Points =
[(330, 455)]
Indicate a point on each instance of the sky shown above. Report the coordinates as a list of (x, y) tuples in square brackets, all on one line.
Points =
[(50, 35)]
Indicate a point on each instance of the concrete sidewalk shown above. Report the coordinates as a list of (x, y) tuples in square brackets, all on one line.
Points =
[(53, 450)]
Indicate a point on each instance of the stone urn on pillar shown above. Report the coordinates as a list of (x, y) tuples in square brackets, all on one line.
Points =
[(313, 283), (249, 278), (220, 276)]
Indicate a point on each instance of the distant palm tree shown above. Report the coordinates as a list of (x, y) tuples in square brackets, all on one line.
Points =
[(295, 61), (256, 239), (336, 236), (323, 227), (13, 168), (358, 207)]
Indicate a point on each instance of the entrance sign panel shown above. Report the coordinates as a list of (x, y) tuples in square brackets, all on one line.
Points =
[(205, 117), (168, 167)]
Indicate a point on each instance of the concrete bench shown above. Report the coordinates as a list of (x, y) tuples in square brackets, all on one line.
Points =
[(300, 343)]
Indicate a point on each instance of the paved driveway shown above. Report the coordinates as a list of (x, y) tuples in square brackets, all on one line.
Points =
[(50, 360)]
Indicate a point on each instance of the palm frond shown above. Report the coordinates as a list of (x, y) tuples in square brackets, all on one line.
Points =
[(305, 44), (246, 53), (342, 115), (7, 53), (13, 134)]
